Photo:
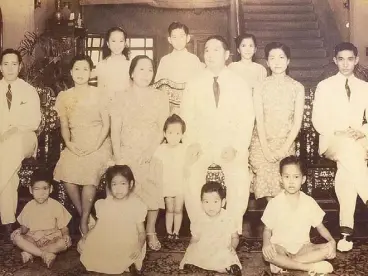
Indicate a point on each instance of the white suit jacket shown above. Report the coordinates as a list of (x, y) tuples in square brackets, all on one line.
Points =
[(332, 110), (25, 113), (228, 125)]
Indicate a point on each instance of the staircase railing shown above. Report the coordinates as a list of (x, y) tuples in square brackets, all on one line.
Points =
[(240, 17), (236, 24)]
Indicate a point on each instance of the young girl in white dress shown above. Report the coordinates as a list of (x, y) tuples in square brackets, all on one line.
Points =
[(253, 73), (113, 71), (118, 241), (168, 164), (214, 235)]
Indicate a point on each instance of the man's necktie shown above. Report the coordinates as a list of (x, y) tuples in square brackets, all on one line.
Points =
[(9, 96), (216, 90), (347, 88)]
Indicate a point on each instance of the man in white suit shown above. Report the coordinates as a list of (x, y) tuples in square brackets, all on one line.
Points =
[(338, 110), (217, 107), (20, 117)]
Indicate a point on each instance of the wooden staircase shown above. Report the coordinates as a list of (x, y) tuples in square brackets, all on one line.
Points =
[(294, 23)]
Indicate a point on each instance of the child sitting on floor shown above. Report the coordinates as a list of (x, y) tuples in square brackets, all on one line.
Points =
[(288, 219), (214, 235), (118, 241), (43, 222)]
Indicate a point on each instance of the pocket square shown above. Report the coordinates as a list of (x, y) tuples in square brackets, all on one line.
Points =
[(21, 103)]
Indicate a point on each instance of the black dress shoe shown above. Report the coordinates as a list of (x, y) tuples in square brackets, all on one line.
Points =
[(190, 268), (134, 271), (234, 270), (8, 230)]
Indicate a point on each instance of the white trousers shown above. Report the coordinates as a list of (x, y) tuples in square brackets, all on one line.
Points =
[(352, 174), (12, 152), (236, 181)]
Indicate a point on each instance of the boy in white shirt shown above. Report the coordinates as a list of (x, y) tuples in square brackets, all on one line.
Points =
[(288, 219), (180, 65)]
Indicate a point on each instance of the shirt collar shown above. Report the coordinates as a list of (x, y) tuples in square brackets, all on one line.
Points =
[(342, 77), (181, 52), (4, 83), (222, 74)]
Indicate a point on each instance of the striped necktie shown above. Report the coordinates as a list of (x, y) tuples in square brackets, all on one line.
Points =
[(9, 96), (347, 88), (216, 90)]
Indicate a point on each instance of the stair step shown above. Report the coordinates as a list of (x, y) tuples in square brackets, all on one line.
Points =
[(305, 74), (301, 62), (283, 25), (299, 53), (309, 84), (292, 43), (277, 35), (277, 2), (309, 16), (284, 9)]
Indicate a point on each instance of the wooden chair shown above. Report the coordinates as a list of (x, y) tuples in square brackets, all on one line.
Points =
[(45, 137), (46, 133), (320, 171)]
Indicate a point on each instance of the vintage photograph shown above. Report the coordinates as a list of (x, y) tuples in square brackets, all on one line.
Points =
[(183, 137)]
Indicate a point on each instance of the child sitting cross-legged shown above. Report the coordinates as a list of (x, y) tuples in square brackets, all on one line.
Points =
[(43, 222), (214, 235), (288, 219)]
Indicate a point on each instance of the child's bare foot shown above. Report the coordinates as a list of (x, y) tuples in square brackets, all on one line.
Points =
[(48, 258), (321, 267), (26, 257)]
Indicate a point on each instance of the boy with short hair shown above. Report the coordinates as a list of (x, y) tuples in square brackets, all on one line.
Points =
[(43, 223), (180, 65), (338, 116), (288, 219)]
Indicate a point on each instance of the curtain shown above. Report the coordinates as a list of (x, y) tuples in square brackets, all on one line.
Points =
[(173, 4)]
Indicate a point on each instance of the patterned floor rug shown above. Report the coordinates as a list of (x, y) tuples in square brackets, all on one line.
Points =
[(166, 262)]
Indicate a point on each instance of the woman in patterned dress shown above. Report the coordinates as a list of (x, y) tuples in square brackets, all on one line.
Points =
[(138, 117), (279, 104), (85, 125)]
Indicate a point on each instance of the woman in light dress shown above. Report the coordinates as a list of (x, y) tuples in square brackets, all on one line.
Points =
[(137, 120), (84, 127)]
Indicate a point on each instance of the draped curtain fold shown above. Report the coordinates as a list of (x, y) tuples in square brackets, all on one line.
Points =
[(173, 4)]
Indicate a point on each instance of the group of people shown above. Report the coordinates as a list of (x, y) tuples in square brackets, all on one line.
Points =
[(153, 157)]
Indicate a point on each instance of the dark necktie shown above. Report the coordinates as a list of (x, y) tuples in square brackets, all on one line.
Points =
[(9, 96), (347, 88), (216, 90)]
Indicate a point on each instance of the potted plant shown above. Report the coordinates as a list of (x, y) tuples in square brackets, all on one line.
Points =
[(43, 66)]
